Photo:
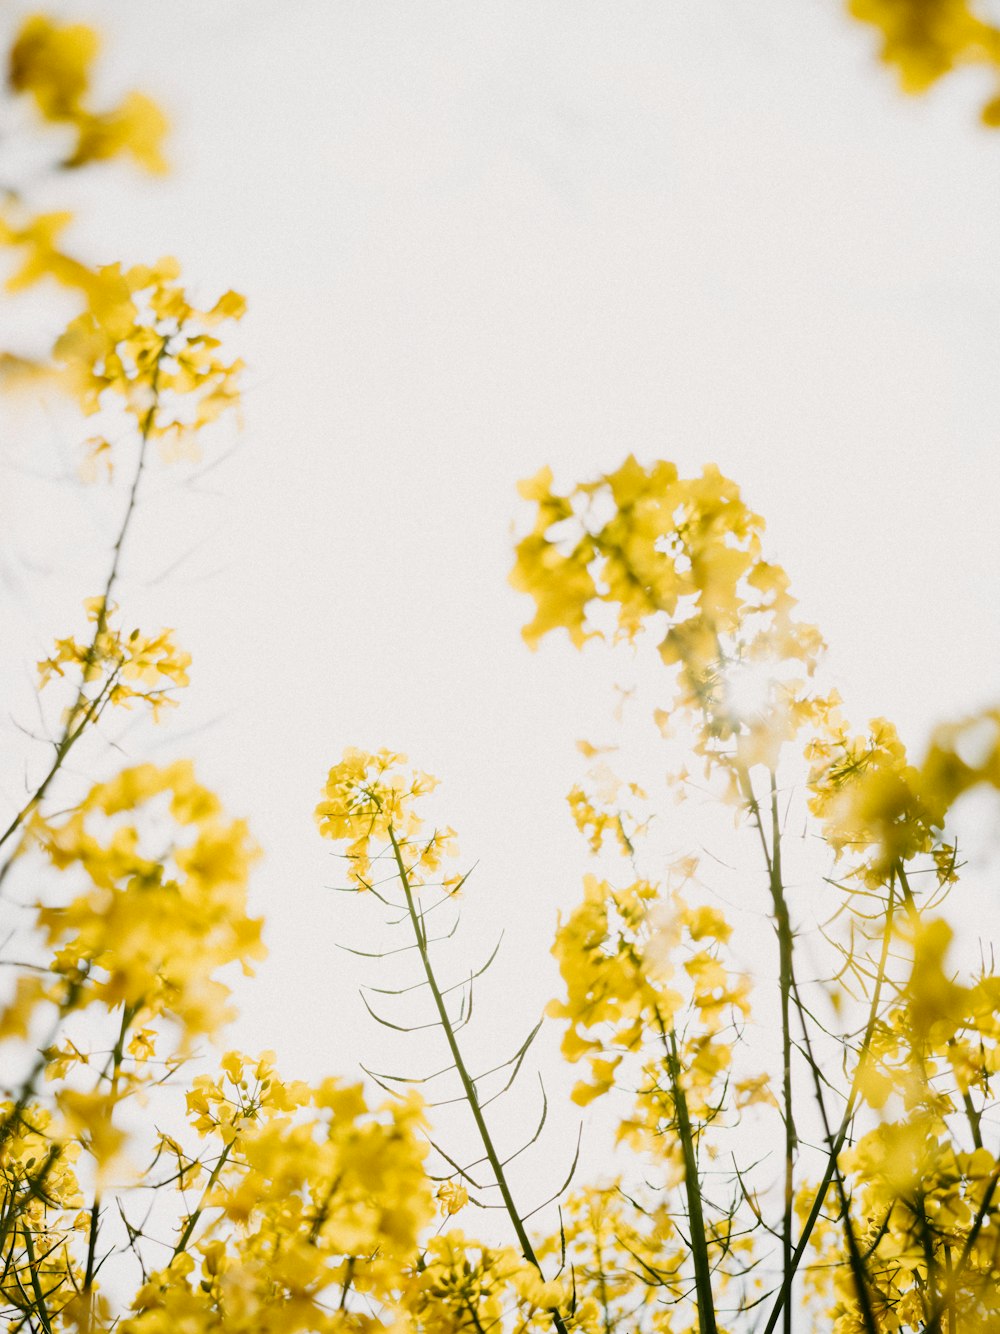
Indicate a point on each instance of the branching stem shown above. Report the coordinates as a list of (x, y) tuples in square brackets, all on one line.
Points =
[(468, 1086), (692, 1187), (83, 711)]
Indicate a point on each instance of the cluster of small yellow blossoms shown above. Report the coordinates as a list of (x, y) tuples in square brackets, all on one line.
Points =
[(618, 954), (42, 1202), (464, 1287), (51, 63), (920, 1198), (151, 928), (119, 667), (628, 1257), (452, 1197), (610, 992), (368, 803), (870, 801), (626, 1264), (926, 39), (50, 66), (307, 1219), (602, 809), (918, 1203), (883, 811), (144, 342), (682, 556), (962, 755), (139, 343), (925, 1205)]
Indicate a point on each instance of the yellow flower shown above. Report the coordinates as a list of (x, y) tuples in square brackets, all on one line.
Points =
[(89, 1120), (680, 557), (369, 799), (51, 63), (151, 932), (926, 39), (452, 1196)]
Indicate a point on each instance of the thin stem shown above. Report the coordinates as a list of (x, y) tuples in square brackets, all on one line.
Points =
[(192, 1221), (783, 929), (840, 1138), (70, 736), (41, 1308), (95, 1227), (785, 944), (855, 1258), (117, 1057), (468, 1086), (908, 900), (71, 730), (692, 1187), (933, 1318)]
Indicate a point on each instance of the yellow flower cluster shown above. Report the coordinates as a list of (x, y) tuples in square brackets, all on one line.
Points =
[(465, 1287), (452, 1197), (139, 340), (683, 557), (926, 39), (142, 340), (600, 950), (153, 927), (870, 800), (628, 1257), (618, 953), (668, 539), (881, 810), (51, 63), (126, 666), (369, 804), (312, 1196), (918, 1203), (41, 1197)]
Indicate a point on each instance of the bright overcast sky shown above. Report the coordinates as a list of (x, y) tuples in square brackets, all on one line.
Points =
[(480, 237)]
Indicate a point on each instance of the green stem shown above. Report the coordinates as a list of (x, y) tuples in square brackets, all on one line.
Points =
[(71, 730), (192, 1221), (468, 1086), (933, 1317), (783, 929), (692, 1188), (856, 1260), (41, 1308), (117, 1057), (908, 899), (71, 734), (785, 945), (837, 1144), (95, 1227)]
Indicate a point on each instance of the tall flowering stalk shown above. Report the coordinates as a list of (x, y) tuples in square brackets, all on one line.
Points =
[(370, 803), (643, 551), (269, 1204)]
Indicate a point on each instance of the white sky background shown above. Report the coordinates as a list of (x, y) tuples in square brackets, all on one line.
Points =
[(477, 238)]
